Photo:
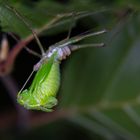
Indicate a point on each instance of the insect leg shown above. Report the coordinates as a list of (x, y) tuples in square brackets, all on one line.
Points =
[(45, 109), (76, 39), (25, 47), (66, 51), (32, 52), (79, 38), (71, 26), (51, 23), (28, 25), (76, 47)]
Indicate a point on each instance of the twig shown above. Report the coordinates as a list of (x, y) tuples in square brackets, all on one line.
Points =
[(35, 119), (6, 66)]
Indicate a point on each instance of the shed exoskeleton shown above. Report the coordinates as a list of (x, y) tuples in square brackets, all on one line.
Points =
[(41, 95)]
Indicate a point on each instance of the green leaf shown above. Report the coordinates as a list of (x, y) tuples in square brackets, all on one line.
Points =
[(38, 17), (99, 87), (104, 84)]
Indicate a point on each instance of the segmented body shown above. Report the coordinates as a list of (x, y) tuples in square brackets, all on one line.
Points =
[(41, 94)]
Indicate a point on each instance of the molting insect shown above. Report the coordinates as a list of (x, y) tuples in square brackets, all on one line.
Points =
[(41, 95)]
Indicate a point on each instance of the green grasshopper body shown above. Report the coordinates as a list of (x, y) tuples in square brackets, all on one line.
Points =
[(41, 95), (42, 92)]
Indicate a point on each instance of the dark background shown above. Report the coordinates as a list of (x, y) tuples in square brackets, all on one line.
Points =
[(99, 93)]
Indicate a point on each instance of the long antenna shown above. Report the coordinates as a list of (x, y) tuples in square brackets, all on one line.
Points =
[(28, 25), (26, 81)]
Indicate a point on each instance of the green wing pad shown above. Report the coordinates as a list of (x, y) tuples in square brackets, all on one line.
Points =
[(42, 92)]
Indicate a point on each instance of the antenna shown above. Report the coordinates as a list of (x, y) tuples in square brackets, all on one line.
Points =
[(26, 81)]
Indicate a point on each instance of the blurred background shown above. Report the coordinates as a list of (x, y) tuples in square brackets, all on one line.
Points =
[(99, 97)]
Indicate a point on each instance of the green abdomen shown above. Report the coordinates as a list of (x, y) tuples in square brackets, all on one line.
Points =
[(42, 93), (49, 86)]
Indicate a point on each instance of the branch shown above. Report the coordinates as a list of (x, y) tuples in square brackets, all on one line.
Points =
[(36, 119), (7, 65)]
